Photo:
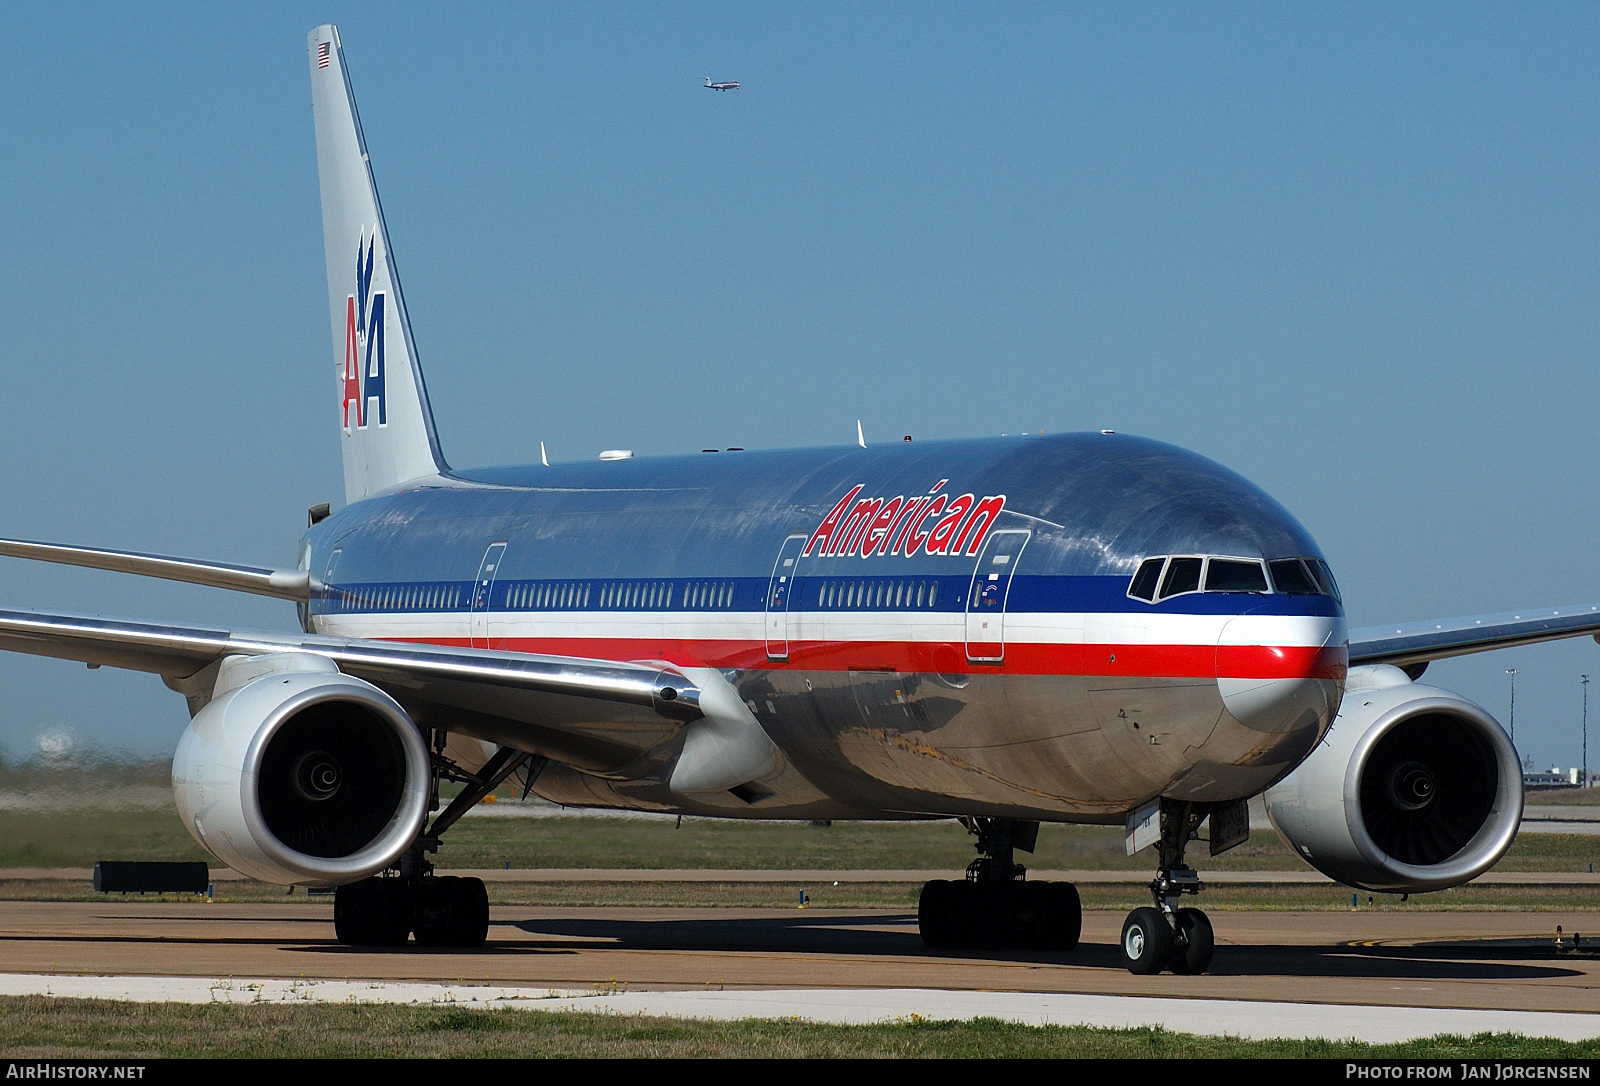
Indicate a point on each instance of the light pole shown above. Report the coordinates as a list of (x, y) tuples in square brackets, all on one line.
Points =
[(1583, 781), (1513, 673)]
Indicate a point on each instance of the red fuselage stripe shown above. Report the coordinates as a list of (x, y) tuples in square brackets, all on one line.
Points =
[(1021, 658)]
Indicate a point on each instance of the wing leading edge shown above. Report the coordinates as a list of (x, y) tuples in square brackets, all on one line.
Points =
[(284, 584), (1412, 646), (580, 708)]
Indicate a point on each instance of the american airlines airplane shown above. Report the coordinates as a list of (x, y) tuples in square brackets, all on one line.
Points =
[(1005, 632), (726, 86)]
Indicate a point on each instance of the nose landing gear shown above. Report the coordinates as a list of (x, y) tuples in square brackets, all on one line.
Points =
[(1166, 936)]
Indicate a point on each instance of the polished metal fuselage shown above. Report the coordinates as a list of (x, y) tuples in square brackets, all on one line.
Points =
[(922, 629)]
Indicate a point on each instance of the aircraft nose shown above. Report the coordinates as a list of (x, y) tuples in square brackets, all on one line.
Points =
[(1282, 674)]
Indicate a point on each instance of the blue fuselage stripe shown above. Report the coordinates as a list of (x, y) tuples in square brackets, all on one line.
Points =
[(1036, 594)]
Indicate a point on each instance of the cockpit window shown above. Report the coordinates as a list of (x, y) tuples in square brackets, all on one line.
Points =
[(1183, 575), (1303, 577), (1324, 576), (1235, 575), (1292, 577), (1171, 575), (1145, 581)]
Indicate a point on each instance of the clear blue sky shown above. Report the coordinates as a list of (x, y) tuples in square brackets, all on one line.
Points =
[(1349, 250)]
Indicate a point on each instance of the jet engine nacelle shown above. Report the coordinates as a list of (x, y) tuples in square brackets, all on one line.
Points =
[(1413, 788), (295, 773)]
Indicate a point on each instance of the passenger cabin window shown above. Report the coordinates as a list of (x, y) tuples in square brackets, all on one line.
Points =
[(854, 595), (1162, 577)]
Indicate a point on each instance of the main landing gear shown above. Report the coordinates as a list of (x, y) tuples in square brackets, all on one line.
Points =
[(443, 911), (1166, 936), (440, 910), (994, 908)]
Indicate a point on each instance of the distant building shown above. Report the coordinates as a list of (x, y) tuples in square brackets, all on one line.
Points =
[(1556, 777)]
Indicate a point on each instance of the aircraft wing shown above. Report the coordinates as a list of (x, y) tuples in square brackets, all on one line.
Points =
[(287, 584), (554, 692), (178, 653), (1413, 645)]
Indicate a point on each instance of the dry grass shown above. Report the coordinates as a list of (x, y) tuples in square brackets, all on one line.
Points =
[(37, 1027), (74, 816)]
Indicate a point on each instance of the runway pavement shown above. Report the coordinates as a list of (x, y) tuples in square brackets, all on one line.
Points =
[(1389, 973), (1371, 974)]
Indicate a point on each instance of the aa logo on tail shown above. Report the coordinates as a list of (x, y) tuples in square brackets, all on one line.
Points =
[(363, 345)]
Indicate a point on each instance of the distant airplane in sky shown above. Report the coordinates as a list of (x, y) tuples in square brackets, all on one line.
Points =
[(1074, 628), (721, 86)]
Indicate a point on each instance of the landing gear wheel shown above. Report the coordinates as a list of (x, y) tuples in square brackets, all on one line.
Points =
[(944, 914), (1045, 916), (1064, 922), (452, 911), (990, 912), (1000, 915), (372, 912), (1028, 914), (1147, 942), (473, 927), (1193, 955)]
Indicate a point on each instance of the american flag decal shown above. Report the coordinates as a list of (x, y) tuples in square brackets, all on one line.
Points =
[(322, 54)]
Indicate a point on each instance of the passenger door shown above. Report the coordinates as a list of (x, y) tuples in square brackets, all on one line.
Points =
[(986, 598), (780, 591), (483, 593)]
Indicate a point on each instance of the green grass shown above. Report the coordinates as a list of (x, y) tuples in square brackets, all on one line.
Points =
[(893, 895), (78, 838), (37, 1027), (1566, 797), (73, 816), (64, 824)]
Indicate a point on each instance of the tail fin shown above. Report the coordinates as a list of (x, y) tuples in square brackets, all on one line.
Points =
[(387, 427)]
